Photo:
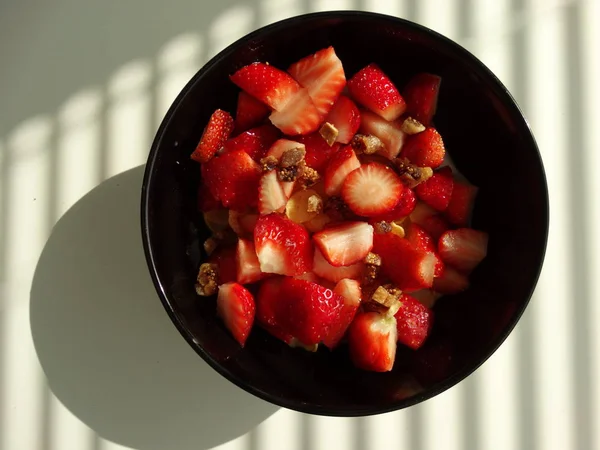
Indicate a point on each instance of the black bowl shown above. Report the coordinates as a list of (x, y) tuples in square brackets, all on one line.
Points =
[(490, 143)]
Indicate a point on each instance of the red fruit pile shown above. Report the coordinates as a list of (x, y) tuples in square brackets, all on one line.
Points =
[(335, 207)]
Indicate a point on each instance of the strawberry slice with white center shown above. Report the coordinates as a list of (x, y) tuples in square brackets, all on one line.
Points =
[(345, 117), (421, 95), (250, 112), (323, 269), (351, 292), (217, 131), (464, 248), (372, 88), (323, 75), (389, 133), (267, 83), (461, 203), (372, 341), (281, 146), (429, 219), (345, 244), (419, 238), (248, 267), (340, 165), (300, 115), (413, 321), (235, 306), (282, 246), (272, 194), (437, 190), (372, 190), (451, 282)]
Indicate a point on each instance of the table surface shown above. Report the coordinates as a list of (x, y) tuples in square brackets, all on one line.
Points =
[(89, 360)]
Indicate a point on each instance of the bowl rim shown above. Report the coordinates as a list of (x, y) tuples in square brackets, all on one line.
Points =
[(300, 406)]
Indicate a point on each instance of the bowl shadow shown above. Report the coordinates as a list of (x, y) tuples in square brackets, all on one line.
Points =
[(109, 351)]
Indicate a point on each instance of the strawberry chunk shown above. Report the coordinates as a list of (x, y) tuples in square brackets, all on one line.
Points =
[(404, 208), (425, 149), (421, 95), (272, 194), (242, 223), (437, 190), (206, 201), (248, 267), (323, 269), (309, 311), (267, 302), (389, 133), (345, 117), (233, 179), (464, 248), (250, 112), (451, 282), (300, 115), (372, 341), (217, 131), (255, 141), (411, 269), (323, 75), (375, 91), (422, 240), (372, 190), (461, 203), (351, 293), (318, 152), (282, 246), (340, 165), (429, 219), (235, 306), (427, 297), (224, 258), (270, 85), (345, 244), (413, 321)]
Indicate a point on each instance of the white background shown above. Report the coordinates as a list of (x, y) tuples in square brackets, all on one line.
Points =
[(83, 86)]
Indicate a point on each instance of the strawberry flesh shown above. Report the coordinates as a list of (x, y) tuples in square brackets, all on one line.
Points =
[(345, 244), (451, 282), (340, 165), (250, 112), (267, 303), (413, 321), (225, 259), (248, 267), (318, 153), (345, 117), (351, 293), (425, 149), (375, 91), (272, 195), (218, 130), (419, 238), (464, 248), (255, 141), (461, 203), (404, 208), (429, 220), (372, 341), (206, 201), (389, 133), (421, 96), (437, 190), (300, 115), (323, 269), (235, 306)]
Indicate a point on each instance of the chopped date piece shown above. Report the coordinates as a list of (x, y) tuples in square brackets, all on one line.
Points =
[(385, 299), (367, 144), (412, 126), (382, 227), (291, 173), (373, 259), (206, 282), (329, 132), (336, 209), (411, 174), (268, 163), (309, 177), (292, 157)]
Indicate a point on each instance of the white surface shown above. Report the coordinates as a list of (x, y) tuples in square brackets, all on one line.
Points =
[(82, 88)]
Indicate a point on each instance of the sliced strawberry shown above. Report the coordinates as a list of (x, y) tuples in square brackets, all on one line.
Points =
[(372, 341), (404, 208), (280, 146), (429, 219), (451, 282), (218, 130), (272, 197), (425, 149), (300, 116), (464, 248), (318, 152), (309, 310), (233, 179), (345, 117), (242, 223), (207, 201), (421, 95), (409, 268), (345, 244), (389, 133), (372, 190), (309, 276), (282, 246), (224, 258), (268, 301), (340, 165), (421, 239), (437, 190), (375, 91), (250, 112), (235, 306), (255, 141), (323, 75), (413, 321), (248, 267), (267, 83), (323, 269), (351, 292), (461, 203)]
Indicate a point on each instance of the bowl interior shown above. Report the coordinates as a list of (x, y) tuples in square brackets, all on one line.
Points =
[(490, 144)]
